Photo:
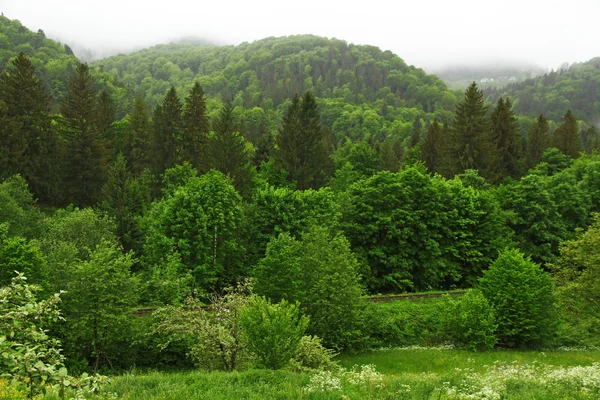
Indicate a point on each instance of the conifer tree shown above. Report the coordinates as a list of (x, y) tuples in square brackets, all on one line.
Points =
[(432, 147), (195, 129), (566, 137), (303, 150), (505, 137), (167, 132), (470, 146), (590, 139), (85, 161), (391, 154), (138, 145), (27, 140), (106, 115), (415, 137), (228, 151), (537, 142)]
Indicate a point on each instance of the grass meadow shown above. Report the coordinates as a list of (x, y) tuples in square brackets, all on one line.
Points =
[(402, 373)]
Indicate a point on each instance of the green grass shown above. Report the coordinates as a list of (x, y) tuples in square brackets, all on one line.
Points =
[(405, 374), (401, 361)]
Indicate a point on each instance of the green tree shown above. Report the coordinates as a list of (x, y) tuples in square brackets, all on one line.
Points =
[(523, 299), (106, 115), (273, 331), (590, 139), (432, 147), (138, 147), (302, 149), (391, 154), (566, 136), (27, 140), (97, 307), (19, 254), (537, 141), (577, 274), (195, 129), (470, 145), (321, 273), (86, 158), (505, 136), (167, 132), (229, 151)]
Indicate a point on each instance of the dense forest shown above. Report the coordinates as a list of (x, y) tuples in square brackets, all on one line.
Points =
[(319, 170), (574, 87)]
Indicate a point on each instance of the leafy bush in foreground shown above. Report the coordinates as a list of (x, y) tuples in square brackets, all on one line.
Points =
[(521, 294)]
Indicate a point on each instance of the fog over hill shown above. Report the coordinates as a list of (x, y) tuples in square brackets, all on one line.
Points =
[(430, 35)]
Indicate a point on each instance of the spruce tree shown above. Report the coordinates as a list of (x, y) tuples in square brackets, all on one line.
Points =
[(470, 145), (106, 115), (415, 137), (391, 154), (228, 152), (195, 129), (590, 139), (27, 140), (566, 137), (167, 132), (505, 137), (85, 161), (303, 150), (432, 147), (537, 142), (138, 143)]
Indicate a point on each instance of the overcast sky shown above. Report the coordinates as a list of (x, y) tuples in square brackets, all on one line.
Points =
[(427, 34)]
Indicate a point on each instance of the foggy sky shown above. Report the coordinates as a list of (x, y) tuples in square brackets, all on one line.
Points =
[(428, 34)]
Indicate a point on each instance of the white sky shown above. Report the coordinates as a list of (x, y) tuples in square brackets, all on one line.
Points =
[(427, 34)]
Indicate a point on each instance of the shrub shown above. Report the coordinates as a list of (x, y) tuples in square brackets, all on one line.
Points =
[(521, 294), (272, 331), (312, 355), (470, 321)]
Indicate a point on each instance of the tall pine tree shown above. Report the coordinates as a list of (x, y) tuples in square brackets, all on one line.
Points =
[(537, 142), (195, 129), (86, 158), (27, 140), (303, 150), (167, 132), (566, 137), (470, 145), (228, 151), (505, 137), (138, 142), (432, 147)]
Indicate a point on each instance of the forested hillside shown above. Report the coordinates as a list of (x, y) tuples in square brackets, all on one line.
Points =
[(576, 87), (280, 182), (53, 61)]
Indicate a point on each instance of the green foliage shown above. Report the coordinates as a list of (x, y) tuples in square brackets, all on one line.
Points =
[(214, 338), (273, 331), (19, 254), (49, 58), (320, 272), (566, 137), (521, 294), (574, 87), (228, 151), (86, 156), (506, 138), (538, 141), (195, 226), (419, 232), (27, 353), (302, 148), (577, 274), (97, 306), (312, 355), (470, 145), (17, 208), (470, 321), (27, 140)]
